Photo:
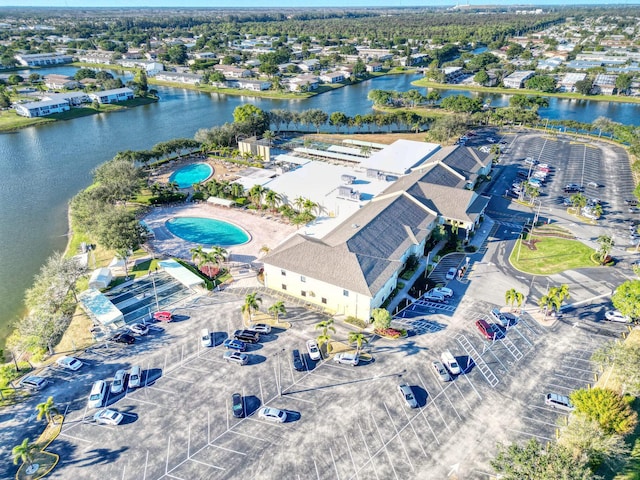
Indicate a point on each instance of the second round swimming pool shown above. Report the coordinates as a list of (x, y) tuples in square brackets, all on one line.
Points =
[(207, 231), (194, 173)]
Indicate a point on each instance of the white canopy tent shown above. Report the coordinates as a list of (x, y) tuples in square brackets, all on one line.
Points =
[(100, 279), (180, 273)]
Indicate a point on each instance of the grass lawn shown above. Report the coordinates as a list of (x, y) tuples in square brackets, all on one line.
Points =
[(551, 255), (10, 120)]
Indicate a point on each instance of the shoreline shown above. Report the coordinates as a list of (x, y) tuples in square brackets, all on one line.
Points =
[(523, 91)]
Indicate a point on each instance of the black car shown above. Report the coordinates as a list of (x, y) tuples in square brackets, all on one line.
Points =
[(247, 336), (123, 338), (298, 364), (512, 194), (237, 405), (573, 188), (632, 202)]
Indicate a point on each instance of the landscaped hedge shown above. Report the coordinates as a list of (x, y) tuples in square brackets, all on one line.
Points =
[(356, 322)]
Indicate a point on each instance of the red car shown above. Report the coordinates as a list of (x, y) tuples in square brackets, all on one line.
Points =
[(488, 330), (162, 316)]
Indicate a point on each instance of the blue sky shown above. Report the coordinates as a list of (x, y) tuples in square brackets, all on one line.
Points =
[(289, 3)]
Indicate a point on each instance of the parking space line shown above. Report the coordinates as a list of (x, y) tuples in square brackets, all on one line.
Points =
[(62, 434), (227, 449), (207, 464), (316, 466), (384, 447), (590, 372), (178, 379), (162, 390), (424, 416), (231, 430), (335, 467), (548, 409), (530, 434), (364, 440), (291, 395), (399, 437), (540, 421), (581, 380), (415, 433), (346, 441)]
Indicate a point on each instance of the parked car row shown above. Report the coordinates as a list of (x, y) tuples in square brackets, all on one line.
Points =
[(98, 393)]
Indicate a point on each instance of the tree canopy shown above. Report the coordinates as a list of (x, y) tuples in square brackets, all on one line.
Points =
[(626, 298)]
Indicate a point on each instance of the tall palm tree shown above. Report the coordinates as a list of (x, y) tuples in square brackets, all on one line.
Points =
[(236, 189), (197, 254), (299, 203), (325, 339), (251, 304), (325, 326), (359, 339), (277, 309), (605, 243), (255, 194), (47, 410), (218, 254), (269, 136), (25, 452), (271, 199), (512, 296)]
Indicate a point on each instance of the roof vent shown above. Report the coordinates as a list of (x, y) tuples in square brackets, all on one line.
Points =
[(355, 225)]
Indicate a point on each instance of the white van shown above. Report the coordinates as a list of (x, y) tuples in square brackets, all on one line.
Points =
[(98, 392), (450, 362), (135, 376), (205, 338)]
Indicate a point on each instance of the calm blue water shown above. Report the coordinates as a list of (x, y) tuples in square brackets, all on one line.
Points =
[(41, 168), (207, 231), (194, 173)]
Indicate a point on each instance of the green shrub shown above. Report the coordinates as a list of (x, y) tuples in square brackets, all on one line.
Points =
[(357, 322), (8, 372)]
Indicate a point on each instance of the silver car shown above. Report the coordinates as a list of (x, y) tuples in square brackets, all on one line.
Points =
[(441, 372), (407, 394), (117, 386), (347, 358), (261, 328), (236, 357), (272, 414)]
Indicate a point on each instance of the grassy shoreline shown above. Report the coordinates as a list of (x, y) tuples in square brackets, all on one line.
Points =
[(524, 91)]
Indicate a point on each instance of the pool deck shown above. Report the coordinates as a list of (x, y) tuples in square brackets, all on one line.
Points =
[(264, 230)]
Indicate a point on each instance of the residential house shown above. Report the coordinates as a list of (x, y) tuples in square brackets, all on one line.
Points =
[(112, 96), (180, 77), (310, 81), (568, 82), (604, 84), (205, 55), (332, 77), (58, 82), (99, 56), (42, 108), (231, 71), (43, 59), (310, 65), (517, 78), (248, 84), (374, 67), (453, 74)]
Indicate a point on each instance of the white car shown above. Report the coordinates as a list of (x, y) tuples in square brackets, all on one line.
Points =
[(451, 274), (98, 392), (135, 376), (272, 414), (616, 316), (407, 394), (433, 296), (348, 358), (117, 386), (450, 362), (205, 338), (314, 351), (236, 357), (446, 291), (108, 417), (261, 328), (70, 363), (139, 329)]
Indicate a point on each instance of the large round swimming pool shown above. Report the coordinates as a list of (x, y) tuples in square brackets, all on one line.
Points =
[(207, 231), (194, 173)]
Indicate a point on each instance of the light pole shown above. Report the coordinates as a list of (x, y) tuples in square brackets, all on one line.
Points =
[(155, 292), (584, 159)]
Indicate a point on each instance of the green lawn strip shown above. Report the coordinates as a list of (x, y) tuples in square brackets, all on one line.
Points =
[(551, 255), (10, 120), (234, 91), (423, 82)]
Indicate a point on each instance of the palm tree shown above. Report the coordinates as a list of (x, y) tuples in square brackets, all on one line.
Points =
[(25, 452), (325, 339), (251, 304), (255, 194), (271, 199), (264, 249), (268, 135), (326, 325), (359, 339), (47, 410), (218, 254), (236, 190), (299, 203), (277, 309), (548, 301), (605, 243), (197, 254), (512, 296)]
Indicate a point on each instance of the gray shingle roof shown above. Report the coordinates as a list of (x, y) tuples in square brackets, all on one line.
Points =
[(364, 251)]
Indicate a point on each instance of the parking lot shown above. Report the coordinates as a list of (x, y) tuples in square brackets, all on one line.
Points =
[(345, 422)]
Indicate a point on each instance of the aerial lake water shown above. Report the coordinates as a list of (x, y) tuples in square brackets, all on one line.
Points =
[(42, 167)]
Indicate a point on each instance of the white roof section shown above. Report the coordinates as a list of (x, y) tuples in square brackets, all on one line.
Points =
[(220, 201), (180, 273), (348, 150), (292, 159), (328, 154), (319, 181), (362, 143), (99, 307), (254, 176), (400, 157)]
